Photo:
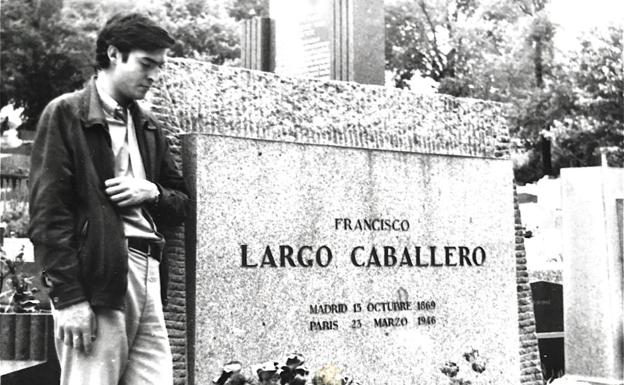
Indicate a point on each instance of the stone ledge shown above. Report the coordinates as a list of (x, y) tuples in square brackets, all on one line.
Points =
[(242, 103)]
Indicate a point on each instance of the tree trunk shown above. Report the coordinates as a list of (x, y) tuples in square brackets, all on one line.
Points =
[(539, 82)]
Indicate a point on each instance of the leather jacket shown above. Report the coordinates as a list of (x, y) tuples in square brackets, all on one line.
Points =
[(76, 230)]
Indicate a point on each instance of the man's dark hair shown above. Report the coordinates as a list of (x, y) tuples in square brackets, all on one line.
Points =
[(128, 32)]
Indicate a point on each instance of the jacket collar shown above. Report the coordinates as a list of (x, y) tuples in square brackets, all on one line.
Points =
[(92, 114)]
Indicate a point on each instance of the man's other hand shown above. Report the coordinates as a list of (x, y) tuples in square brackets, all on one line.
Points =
[(125, 191), (76, 326)]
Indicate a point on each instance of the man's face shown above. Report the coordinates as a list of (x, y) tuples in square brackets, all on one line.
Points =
[(133, 77)]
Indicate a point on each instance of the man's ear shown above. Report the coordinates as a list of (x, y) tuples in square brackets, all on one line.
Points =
[(113, 54)]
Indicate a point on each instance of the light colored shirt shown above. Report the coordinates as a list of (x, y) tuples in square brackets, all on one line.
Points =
[(128, 162)]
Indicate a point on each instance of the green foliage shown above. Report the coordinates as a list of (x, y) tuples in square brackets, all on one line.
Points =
[(596, 118), (48, 46), (21, 291), (503, 51), (16, 222), (43, 53), (199, 33), (582, 106), (467, 46), (246, 9)]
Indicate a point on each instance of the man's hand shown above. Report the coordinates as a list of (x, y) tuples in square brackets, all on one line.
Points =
[(125, 191), (76, 326)]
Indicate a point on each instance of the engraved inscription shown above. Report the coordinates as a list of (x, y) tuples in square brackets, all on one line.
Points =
[(373, 314)]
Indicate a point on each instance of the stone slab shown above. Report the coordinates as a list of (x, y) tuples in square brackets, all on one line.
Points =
[(254, 193), (593, 244), (251, 104), (368, 62), (330, 39), (303, 37)]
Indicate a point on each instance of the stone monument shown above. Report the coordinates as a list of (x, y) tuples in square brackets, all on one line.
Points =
[(593, 282), (258, 44), (369, 229), (323, 39)]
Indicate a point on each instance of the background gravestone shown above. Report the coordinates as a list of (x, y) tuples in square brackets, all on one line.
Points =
[(258, 44), (548, 305), (593, 239), (283, 161), (329, 39), (548, 310)]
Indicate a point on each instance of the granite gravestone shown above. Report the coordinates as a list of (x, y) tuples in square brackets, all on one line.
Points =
[(548, 306), (593, 238), (369, 229), (548, 309), (329, 39)]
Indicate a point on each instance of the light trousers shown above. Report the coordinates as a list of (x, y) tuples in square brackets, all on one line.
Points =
[(131, 346)]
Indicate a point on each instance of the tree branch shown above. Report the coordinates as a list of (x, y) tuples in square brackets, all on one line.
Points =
[(436, 49), (524, 7)]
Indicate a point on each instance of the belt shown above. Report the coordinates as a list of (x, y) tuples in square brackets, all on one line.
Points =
[(140, 244)]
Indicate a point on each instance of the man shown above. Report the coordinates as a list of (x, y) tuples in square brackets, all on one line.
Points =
[(102, 184)]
